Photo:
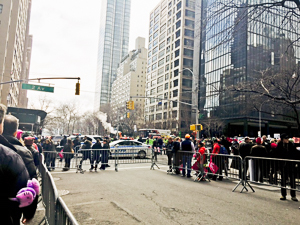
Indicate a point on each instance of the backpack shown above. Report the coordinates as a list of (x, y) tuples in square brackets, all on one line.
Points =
[(223, 150)]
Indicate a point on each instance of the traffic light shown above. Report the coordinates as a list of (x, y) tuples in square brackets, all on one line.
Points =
[(128, 115), (132, 105), (199, 127), (193, 127), (77, 89)]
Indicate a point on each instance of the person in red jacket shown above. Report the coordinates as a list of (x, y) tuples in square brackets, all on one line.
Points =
[(217, 160), (201, 158)]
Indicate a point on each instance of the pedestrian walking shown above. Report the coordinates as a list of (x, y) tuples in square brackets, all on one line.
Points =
[(86, 152), (97, 153)]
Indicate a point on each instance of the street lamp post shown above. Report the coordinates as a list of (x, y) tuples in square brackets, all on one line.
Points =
[(259, 117), (195, 95)]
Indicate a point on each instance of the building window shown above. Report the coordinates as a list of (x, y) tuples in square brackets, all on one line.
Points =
[(1, 8), (188, 43), (155, 42), (155, 50), (156, 18), (161, 53), (176, 72), (160, 88), (189, 33), (161, 71), (161, 62), (188, 52), (163, 28), (189, 24), (178, 24), (167, 67), (162, 45), (175, 94), (178, 15), (190, 4), (175, 83), (179, 5), (177, 34), (155, 34), (162, 36), (176, 63), (166, 86), (160, 79), (187, 62), (177, 43), (177, 53), (189, 13)]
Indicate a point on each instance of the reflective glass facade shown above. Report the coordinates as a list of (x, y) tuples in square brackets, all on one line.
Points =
[(235, 45), (112, 47)]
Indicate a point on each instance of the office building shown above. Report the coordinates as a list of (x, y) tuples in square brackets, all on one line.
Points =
[(15, 50), (170, 62), (237, 46), (130, 81), (112, 46)]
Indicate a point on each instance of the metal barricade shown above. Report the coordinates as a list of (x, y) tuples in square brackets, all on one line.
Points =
[(54, 214), (91, 158), (63, 214), (281, 173), (55, 160), (132, 155)]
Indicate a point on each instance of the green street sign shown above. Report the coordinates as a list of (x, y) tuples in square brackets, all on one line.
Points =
[(34, 87)]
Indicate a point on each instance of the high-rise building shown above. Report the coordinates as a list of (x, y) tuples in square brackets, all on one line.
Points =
[(15, 50), (130, 81), (234, 47), (112, 47), (170, 64)]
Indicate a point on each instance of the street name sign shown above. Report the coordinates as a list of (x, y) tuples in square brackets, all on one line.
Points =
[(34, 87)]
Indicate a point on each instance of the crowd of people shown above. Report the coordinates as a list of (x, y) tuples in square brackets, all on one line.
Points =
[(261, 169), (69, 148), (19, 158)]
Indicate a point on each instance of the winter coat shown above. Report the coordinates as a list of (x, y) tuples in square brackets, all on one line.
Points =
[(68, 149), (86, 145), (258, 151), (176, 146), (287, 152), (245, 149), (13, 176), (35, 154), (169, 147), (25, 155)]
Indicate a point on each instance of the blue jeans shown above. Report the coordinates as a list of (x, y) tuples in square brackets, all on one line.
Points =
[(186, 159)]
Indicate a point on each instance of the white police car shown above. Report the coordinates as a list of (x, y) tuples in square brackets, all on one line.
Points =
[(130, 148)]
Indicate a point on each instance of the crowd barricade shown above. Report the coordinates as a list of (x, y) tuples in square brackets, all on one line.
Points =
[(55, 160), (96, 157), (282, 173), (205, 167), (54, 214), (131, 155)]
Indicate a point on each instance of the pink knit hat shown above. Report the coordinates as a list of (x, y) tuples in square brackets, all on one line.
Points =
[(19, 134)]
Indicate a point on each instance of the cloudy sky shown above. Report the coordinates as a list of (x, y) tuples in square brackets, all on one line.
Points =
[(65, 44)]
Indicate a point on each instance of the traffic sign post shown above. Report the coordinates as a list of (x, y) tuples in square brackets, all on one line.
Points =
[(34, 87)]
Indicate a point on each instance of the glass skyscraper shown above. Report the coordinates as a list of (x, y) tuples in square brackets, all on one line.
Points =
[(112, 47), (237, 45)]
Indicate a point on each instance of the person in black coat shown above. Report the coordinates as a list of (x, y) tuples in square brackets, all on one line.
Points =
[(11, 124), (97, 153), (13, 177), (169, 148), (63, 141), (105, 154), (68, 154), (49, 154), (86, 153), (259, 150), (286, 150), (176, 148), (76, 143)]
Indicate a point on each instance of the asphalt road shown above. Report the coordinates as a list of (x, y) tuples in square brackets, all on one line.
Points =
[(138, 195)]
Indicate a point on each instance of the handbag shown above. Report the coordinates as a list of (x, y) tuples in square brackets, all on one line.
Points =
[(213, 167), (61, 154)]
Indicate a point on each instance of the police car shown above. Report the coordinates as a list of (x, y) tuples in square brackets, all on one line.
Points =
[(130, 148)]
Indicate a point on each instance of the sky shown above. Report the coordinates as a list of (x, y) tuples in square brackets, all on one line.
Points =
[(65, 44)]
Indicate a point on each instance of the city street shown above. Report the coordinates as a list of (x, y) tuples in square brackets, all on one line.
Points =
[(138, 195)]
